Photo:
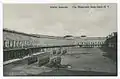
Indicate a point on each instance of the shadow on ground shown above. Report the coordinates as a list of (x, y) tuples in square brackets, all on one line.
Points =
[(110, 53), (65, 72)]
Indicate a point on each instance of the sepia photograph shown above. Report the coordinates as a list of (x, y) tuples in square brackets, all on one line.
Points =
[(60, 39)]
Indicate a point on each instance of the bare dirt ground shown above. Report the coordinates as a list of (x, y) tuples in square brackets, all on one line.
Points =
[(89, 59), (83, 61)]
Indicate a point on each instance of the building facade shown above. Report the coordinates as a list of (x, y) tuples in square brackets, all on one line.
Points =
[(111, 41), (90, 41)]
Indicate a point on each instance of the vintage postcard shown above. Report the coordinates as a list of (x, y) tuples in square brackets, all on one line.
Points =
[(60, 39)]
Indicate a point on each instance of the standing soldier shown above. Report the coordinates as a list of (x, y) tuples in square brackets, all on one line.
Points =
[(55, 62), (58, 62), (59, 51), (64, 51), (54, 52)]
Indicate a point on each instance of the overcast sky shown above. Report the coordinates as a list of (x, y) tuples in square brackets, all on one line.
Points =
[(41, 19)]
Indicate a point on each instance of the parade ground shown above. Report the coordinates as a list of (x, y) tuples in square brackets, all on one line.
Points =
[(82, 61)]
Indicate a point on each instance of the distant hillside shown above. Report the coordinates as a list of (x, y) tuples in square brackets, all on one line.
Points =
[(32, 35)]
